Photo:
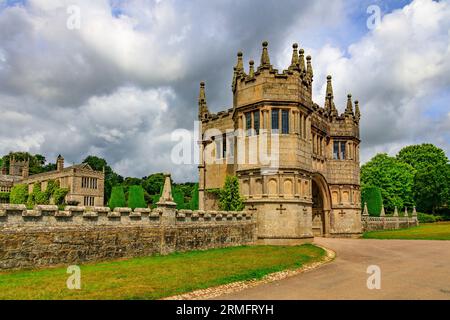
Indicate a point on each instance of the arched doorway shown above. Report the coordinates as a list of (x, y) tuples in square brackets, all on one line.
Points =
[(321, 206)]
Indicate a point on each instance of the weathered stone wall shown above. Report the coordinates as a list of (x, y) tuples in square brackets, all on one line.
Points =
[(388, 223), (45, 236)]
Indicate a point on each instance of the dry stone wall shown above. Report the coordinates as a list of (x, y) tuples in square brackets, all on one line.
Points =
[(47, 236)]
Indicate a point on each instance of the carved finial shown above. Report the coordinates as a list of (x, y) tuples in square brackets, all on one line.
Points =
[(414, 214), (203, 111), (166, 196), (309, 70), (365, 211), (357, 111), (329, 98), (294, 60), (252, 69), (396, 212), (382, 213), (240, 62), (349, 108), (406, 211), (265, 60), (302, 61)]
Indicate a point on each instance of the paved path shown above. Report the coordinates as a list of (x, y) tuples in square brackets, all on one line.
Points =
[(410, 269)]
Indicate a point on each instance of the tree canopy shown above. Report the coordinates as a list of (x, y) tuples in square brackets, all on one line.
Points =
[(394, 178), (422, 156)]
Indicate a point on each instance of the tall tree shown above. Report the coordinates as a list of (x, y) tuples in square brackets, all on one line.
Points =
[(230, 198), (432, 187), (393, 177), (422, 156)]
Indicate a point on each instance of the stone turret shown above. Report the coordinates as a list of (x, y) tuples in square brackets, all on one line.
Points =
[(349, 108), (203, 112)]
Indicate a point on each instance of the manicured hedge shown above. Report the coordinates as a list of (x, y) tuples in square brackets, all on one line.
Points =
[(136, 197), (372, 196), (428, 218), (117, 199)]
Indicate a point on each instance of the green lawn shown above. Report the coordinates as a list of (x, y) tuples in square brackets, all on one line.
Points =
[(428, 231), (158, 276)]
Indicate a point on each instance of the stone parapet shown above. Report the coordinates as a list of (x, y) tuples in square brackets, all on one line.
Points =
[(13, 215)]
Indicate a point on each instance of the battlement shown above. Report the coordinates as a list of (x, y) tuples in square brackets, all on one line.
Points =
[(49, 215)]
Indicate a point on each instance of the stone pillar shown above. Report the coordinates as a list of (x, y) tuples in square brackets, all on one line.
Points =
[(166, 204)]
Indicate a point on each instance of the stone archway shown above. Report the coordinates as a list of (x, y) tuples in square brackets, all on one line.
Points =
[(321, 206)]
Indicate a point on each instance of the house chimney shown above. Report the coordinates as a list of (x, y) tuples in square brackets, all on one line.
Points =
[(59, 163)]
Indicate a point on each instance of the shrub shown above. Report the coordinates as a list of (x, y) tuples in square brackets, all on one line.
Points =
[(194, 200), (59, 194), (117, 199), (4, 196), (178, 197), (19, 194), (230, 198), (428, 218), (372, 196), (136, 197)]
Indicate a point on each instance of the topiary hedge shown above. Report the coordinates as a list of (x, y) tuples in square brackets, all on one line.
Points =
[(136, 197), (372, 196), (117, 199)]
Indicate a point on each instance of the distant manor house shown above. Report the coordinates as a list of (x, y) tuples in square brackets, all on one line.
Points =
[(85, 185), (315, 190)]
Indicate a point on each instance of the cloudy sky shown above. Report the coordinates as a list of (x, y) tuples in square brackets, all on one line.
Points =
[(119, 85)]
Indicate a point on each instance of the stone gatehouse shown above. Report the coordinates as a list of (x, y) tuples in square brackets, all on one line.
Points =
[(315, 188)]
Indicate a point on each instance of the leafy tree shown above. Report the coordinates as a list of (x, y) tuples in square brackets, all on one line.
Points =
[(19, 194), (230, 198), (422, 156), (153, 183), (136, 197), (194, 198), (432, 187), (393, 177), (178, 197), (372, 196), (37, 163), (117, 199)]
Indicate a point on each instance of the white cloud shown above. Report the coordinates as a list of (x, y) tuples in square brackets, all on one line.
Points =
[(118, 86)]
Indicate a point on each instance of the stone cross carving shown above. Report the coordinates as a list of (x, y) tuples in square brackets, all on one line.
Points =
[(281, 209)]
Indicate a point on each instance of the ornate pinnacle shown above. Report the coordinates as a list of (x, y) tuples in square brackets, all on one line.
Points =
[(309, 70), (251, 74), (302, 61), (265, 60), (240, 63), (203, 111), (349, 108), (295, 60), (357, 111)]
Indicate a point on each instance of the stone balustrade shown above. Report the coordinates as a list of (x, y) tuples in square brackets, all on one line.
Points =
[(383, 222)]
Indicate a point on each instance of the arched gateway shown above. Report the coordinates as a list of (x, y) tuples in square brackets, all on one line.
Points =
[(321, 206)]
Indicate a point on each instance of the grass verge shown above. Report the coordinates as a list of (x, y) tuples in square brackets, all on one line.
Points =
[(428, 231), (159, 276)]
